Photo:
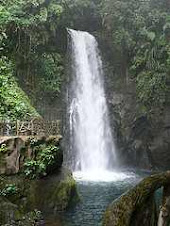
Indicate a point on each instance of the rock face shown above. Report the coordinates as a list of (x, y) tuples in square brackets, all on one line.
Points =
[(17, 149), (8, 211), (32, 178), (142, 142), (49, 195), (137, 206)]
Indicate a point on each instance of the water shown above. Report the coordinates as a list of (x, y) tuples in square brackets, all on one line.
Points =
[(95, 197), (94, 162), (91, 139), (101, 176)]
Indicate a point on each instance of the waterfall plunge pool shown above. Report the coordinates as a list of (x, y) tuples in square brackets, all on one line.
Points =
[(101, 176), (95, 196)]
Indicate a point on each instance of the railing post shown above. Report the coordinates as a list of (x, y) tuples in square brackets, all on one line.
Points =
[(32, 127), (17, 127)]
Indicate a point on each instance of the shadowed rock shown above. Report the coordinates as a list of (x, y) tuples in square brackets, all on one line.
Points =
[(126, 210)]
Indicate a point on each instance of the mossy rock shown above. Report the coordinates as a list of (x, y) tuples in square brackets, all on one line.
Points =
[(122, 211), (65, 193), (9, 212), (54, 193), (11, 215), (21, 149)]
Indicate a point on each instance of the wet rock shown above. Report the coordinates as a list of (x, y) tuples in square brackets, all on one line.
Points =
[(8, 211), (130, 125), (53, 192), (137, 206), (10, 214), (127, 114), (18, 149), (50, 194)]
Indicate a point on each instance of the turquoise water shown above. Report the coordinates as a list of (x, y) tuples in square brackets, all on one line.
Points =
[(95, 197)]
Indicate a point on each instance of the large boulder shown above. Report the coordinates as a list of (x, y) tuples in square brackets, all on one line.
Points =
[(49, 194), (15, 151), (137, 206)]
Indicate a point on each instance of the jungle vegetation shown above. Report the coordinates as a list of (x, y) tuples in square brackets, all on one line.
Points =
[(141, 32), (33, 47)]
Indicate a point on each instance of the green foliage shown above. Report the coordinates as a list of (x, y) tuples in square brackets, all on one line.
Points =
[(50, 71), (27, 28), (14, 104), (8, 190), (24, 20), (3, 148), (39, 11), (31, 218), (80, 14), (151, 89), (31, 167), (46, 158), (141, 32), (33, 142)]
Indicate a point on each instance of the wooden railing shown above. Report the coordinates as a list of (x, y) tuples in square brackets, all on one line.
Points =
[(27, 128)]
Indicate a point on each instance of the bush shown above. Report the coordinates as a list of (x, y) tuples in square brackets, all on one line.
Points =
[(3, 148), (48, 159), (8, 190), (14, 104)]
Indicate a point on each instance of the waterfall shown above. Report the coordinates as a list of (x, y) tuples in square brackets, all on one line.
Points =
[(91, 144)]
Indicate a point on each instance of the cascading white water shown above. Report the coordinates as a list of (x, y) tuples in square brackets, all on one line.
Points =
[(91, 137)]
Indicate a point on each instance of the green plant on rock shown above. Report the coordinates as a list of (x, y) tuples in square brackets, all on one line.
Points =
[(151, 88), (3, 148), (48, 157), (32, 218), (30, 168), (140, 31), (8, 190), (33, 142)]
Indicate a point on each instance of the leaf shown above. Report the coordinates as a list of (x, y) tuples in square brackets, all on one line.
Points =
[(151, 35)]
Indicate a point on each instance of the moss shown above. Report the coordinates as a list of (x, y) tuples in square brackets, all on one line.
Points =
[(10, 214), (121, 211), (65, 193), (38, 156), (58, 192), (8, 211)]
